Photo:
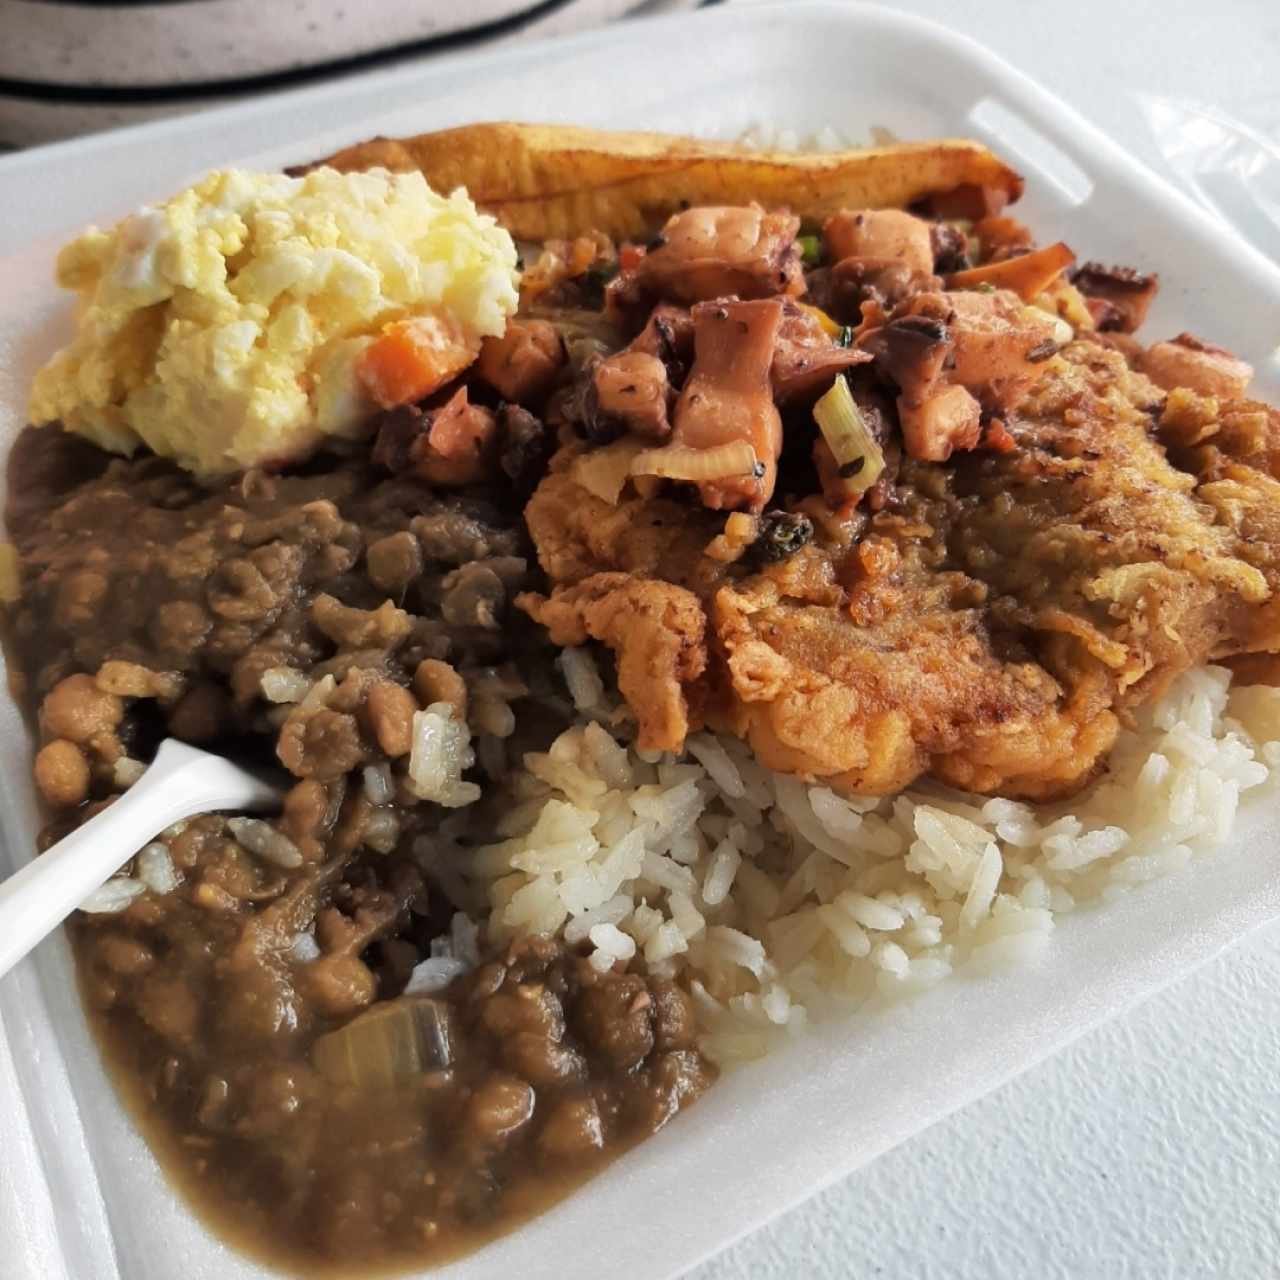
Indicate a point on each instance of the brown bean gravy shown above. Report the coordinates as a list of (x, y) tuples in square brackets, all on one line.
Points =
[(250, 994)]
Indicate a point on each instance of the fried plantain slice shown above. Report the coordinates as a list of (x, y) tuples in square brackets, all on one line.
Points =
[(543, 181)]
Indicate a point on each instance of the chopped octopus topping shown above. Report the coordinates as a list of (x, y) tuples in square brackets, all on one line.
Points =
[(1185, 361), (805, 359), (842, 289), (954, 355), (632, 389), (950, 247), (884, 236), (522, 364), (912, 350), (1118, 298), (713, 252), (1002, 237), (949, 420), (728, 401), (450, 446), (667, 334), (998, 342)]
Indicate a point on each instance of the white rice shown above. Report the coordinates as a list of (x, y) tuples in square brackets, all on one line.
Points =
[(304, 948), (580, 674), (433, 974), (782, 902), (381, 831), (266, 841), (284, 684), (440, 753), (764, 136), (451, 956), (126, 771), (155, 867), (610, 944), (378, 783), (115, 895)]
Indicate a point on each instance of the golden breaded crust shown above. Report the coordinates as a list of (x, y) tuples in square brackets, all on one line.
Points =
[(544, 181)]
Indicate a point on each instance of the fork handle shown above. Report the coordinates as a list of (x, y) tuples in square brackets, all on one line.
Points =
[(181, 782)]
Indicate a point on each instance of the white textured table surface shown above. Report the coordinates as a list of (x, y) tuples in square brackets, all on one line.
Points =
[(1152, 1147)]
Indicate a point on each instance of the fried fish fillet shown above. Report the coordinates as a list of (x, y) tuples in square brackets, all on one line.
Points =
[(993, 631), (657, 631), (546, 180)]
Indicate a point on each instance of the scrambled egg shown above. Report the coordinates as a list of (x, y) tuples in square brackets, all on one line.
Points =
[(224, 328)]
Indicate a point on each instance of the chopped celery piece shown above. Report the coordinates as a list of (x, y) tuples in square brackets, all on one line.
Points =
[(389, 1044)]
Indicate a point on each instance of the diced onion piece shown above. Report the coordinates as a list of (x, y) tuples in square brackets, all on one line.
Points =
[(603, 473), (391, 1043), (849, 438), (679, 462)]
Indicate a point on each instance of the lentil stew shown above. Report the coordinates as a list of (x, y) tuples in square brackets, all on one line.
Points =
[(255, 992)]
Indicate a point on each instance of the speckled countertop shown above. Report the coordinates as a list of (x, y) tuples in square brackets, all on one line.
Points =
[(1151, 1148)]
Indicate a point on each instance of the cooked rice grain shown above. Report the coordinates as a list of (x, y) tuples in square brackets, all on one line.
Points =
[(440, 753), (781, 902)]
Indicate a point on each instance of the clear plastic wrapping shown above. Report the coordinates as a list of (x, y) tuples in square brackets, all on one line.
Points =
[(1231, 168)]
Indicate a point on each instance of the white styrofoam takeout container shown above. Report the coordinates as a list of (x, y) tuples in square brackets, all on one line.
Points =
[(80, 1196)]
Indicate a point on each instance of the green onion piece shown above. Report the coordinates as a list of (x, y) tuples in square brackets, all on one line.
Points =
[(810, 250), (393, 1042), (846, 336), (856, 451)]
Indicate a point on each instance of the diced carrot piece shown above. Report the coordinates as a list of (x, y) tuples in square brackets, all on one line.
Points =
[(1027, 275), (412, 358), (997, 437)]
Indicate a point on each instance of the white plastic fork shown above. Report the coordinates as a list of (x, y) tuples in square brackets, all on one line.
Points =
[(180, 782)]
